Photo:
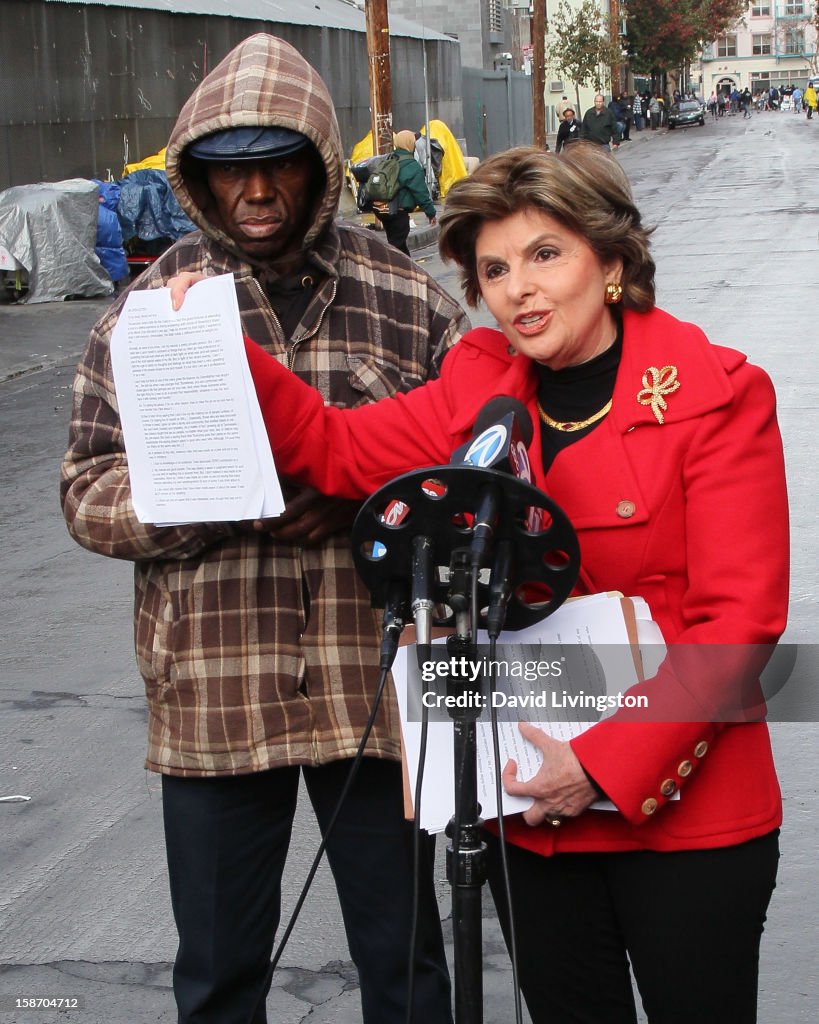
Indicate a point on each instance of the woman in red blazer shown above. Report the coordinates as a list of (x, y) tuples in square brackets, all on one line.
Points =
[(664, 452)]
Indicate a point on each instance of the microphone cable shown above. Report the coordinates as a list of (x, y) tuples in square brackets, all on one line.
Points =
[(507, 885), (499, 596), (416, 864)]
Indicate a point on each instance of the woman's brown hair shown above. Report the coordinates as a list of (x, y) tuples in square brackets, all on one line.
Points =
[(583, 187)]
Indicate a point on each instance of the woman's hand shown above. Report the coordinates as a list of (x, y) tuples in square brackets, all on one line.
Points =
[(180, 284), (560, 788)]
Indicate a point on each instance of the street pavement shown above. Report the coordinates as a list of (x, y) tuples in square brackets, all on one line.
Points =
[(84, 909)]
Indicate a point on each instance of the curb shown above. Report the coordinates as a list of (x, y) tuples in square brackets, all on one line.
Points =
[(422, 233)]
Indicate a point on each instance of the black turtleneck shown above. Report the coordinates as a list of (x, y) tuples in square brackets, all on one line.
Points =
[(575, 393), (290, 295)]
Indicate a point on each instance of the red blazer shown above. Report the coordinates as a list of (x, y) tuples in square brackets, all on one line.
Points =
[(689, 513)]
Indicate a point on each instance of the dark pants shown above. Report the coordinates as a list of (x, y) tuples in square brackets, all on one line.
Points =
[(227, 840), (397, 228), (690, 924)]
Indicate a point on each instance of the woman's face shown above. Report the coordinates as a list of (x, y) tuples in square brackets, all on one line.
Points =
[(546, 288)]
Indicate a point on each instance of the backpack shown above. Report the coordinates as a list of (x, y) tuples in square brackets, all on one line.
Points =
[(381, 186)]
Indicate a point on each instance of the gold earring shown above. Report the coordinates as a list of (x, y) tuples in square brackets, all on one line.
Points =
[(614, 292)]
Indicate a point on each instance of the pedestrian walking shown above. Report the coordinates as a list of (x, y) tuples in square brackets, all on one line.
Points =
[(637, 111), (745, 102), (569, 130), (628, 116), (712, 105), (599, 124), (809, 98), (412, 193), (616, 108), (796, 100), (721, 103), (563, 105), (655, 112), (257, 642)]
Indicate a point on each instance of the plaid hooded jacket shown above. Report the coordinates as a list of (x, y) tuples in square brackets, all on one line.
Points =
[(257, 653)]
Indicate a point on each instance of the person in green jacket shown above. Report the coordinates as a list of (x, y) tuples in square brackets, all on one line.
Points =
[(412, 192)]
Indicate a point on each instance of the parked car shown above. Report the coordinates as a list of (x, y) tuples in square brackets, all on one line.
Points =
[(686, 112)]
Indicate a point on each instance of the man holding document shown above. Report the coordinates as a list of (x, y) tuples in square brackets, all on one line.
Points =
[(254, 636)]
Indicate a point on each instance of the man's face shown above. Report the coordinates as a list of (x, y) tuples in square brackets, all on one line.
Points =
[(598, 102), (265, 205)]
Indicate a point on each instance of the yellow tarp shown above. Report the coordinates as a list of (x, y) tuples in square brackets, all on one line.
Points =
[(452, 166), (150, 163), (362, 150)]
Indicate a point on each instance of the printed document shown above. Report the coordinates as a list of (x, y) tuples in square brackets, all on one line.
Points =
[(196, 443), (600, 645)]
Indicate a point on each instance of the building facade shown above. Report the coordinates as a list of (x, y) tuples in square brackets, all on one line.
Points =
[(773, 44), (90, 85), (482, 27)]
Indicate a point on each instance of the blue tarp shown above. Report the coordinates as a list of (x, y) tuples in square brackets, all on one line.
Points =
[(109, 233), (148, 209)]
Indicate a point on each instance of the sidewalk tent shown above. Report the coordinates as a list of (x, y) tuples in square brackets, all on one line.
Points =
[(51, 229), (453, 166)]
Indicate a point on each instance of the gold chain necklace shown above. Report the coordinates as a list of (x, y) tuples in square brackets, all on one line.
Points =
[(571, 425)]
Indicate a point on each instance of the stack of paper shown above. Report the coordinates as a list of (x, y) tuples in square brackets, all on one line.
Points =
[(194, 435), (597, 648)]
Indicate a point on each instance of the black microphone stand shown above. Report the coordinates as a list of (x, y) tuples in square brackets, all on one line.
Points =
[(546, 560), (466, 851)]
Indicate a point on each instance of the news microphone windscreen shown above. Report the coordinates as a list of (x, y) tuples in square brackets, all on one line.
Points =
[(496, 408)]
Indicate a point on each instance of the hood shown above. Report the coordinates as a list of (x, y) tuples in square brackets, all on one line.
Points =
[(264, 81)]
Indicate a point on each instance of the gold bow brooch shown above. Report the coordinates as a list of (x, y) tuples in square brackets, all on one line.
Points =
[(657, 384)]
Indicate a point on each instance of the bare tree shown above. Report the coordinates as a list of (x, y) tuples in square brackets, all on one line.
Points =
[(581, 48)]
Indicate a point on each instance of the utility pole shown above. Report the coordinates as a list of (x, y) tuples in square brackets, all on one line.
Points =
[(614, 35), (539, 73), (378, 52)]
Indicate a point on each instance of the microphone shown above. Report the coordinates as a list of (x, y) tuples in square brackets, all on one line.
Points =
[(438, 528), (396, 613), (503, 431), (500, 589), (421, 600)]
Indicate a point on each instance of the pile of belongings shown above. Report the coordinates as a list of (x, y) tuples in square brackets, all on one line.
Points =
[(50, 231), (78, 238), (149, 213)]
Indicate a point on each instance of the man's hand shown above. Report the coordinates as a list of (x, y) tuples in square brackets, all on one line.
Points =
[(309, 518), (560, 788), (179, 286)]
